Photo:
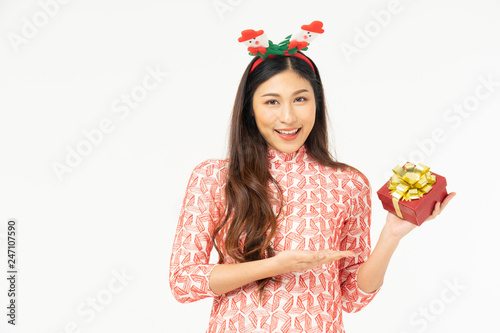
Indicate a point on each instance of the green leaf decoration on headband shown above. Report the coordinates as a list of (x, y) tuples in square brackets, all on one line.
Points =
[(259, 44)]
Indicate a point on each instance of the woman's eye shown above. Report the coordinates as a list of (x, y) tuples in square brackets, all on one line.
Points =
[(272, 102), (300, 99)]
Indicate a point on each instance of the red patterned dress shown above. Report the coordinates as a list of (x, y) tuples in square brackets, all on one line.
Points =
[(324, 208)]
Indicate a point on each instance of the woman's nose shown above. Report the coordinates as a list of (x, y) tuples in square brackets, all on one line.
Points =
[(287, 114)]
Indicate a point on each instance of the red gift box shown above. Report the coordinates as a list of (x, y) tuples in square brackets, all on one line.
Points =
[(415, 211)]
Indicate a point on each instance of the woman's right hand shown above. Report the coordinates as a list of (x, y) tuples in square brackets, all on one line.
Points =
[(227, 277), (299, 260)]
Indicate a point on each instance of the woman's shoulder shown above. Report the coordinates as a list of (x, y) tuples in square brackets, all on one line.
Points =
[(349, 176), (212, 168), (357, 175), (211, 164)]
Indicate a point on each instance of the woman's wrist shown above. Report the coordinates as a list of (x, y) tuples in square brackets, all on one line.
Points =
[(371, 272), (275, 265), (390, 236), (227, 277)]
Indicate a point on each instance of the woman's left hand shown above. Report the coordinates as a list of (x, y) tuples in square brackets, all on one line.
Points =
[(397, 227)]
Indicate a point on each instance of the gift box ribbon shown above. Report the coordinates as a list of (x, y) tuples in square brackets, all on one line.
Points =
[(410, 182)]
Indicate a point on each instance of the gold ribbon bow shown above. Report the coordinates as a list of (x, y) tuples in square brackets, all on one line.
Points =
[(410, 183)]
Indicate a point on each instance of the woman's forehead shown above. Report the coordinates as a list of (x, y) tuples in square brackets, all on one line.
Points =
[(286, 81)]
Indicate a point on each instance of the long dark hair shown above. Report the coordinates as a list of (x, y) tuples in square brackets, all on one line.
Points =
[(249, 223)]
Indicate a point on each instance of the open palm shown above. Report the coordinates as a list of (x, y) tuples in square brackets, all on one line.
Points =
[(399, 227)]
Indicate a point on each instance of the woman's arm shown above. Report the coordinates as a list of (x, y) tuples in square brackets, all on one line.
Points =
[(371, 272), (227, 277), (190, 265)]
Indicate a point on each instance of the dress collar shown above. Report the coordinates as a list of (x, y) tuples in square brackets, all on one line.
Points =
[(278, 156)]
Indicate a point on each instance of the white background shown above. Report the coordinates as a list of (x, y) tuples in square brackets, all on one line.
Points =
[(117, 210)]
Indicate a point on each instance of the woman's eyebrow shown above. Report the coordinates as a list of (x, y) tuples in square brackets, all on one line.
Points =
[(300, 91), (270, 94), (278, 95)]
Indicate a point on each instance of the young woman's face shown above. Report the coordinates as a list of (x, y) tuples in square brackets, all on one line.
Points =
[(285, 111)]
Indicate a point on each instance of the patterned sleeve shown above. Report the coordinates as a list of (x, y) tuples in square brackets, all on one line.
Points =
[(355, 236), (189, 264)]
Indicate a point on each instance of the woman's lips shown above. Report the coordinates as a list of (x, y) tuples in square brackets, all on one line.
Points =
[(288, 134)]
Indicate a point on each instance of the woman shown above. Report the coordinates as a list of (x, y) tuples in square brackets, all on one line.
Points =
[(291, 225)]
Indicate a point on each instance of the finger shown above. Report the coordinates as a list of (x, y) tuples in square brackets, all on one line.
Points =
[(332, 255), (347, 253), (435, 211), (447, 199), (438, 208), (317, 258), (325, 256), (312, 256)]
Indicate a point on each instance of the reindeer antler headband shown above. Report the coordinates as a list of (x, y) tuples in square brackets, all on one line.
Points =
[(259, 44)]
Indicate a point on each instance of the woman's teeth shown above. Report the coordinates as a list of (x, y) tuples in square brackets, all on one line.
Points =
[(288, 132)]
